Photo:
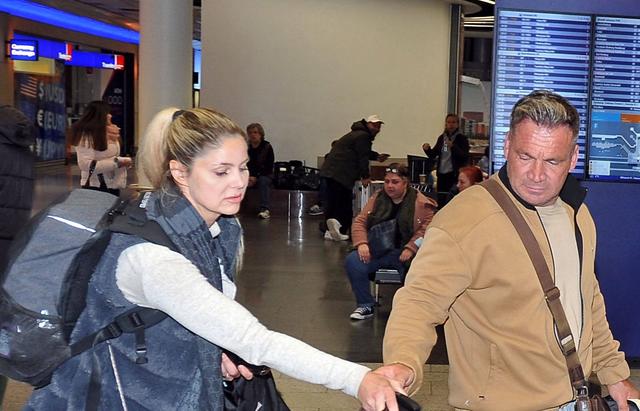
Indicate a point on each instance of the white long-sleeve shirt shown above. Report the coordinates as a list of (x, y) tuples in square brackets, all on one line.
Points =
[(153, 276), (114, 176)]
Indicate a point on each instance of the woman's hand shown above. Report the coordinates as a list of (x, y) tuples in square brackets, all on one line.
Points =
[(378, 392), (405, 255), (113, 133), (230, 371), (364, 253)]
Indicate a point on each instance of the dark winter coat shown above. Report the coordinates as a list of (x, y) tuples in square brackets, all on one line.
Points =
[(17, 174), (261, 159), (459, 151), (348, 160)]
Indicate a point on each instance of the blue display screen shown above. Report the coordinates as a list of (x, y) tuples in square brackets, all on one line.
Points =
[(540, 51), (594, 61), (614, 149)]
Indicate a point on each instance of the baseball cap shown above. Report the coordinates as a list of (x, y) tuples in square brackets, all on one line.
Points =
[(374, 119)]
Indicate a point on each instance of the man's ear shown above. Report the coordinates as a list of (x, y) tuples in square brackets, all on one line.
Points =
[(178, 172), (507, 142)]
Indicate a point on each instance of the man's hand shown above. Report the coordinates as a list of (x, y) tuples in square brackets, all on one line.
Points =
[(383, 157), (365, 182), (230, 371), (621, 392), (398, 372), (426, 147), (252, 181), (405, 255), (364, 254), (377, 392)]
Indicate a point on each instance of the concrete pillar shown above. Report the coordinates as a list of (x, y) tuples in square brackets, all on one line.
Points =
[(165, 69)]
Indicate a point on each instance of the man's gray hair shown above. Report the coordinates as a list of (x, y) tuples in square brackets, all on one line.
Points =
[(547, 109)]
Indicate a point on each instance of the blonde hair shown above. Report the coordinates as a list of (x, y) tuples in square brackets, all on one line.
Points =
[(180, 135)]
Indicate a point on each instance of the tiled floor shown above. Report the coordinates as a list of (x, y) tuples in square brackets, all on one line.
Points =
[(294, 282)]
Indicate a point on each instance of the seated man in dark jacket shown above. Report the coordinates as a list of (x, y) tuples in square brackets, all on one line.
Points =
[(260, 166)]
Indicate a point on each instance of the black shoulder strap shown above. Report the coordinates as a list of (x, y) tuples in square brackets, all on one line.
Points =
[(92, 169)]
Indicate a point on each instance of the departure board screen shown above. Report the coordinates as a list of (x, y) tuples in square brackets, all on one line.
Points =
[(536, 51), (614, 147)]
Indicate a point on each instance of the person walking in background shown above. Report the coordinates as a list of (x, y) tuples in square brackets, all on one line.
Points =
[(347, 162), (17, 136), (452, 151), (97, 143), (402, 214), (196, 162), (474, 274), (261, 160)]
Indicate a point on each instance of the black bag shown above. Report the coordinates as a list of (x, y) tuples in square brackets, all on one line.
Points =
[(103, 184), (598, 403), (258, 393), (382, 238)]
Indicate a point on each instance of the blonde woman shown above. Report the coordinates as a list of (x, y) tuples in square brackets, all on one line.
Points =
[(196, 162)]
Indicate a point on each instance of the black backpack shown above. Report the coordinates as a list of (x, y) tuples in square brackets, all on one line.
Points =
[(45, 284)]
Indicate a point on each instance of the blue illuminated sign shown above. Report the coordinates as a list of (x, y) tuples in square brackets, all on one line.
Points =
[(48, 15), (57, 50), (98, 60), (23, 50)]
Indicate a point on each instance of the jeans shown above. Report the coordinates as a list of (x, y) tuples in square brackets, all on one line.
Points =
[(264, 186), (359, 272), (571, 406)]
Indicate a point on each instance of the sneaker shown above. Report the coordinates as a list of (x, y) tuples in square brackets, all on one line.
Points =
[(362, 313), (264, 214), (333, 228), (315, 210), (328, 236)]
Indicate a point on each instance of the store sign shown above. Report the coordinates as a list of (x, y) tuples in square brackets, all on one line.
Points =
[(23, 50), (67, 54), (59, 50), (115, 62), (98, 60)]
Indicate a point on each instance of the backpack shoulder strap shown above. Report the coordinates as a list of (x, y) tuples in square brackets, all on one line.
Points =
[(551, 292), (129, 217)]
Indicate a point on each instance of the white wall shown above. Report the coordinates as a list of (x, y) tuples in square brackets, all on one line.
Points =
[(306, 69)]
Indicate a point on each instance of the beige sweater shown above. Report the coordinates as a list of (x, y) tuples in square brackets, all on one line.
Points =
[(473, 272)]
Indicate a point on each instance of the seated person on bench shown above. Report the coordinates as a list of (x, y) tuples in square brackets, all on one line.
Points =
[(385, 233)]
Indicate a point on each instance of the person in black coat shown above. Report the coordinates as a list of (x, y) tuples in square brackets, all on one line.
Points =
[(347, 162), (17, 135), (452, 151)]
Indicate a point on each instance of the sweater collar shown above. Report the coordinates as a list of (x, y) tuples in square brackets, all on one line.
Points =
[(571, 193)]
